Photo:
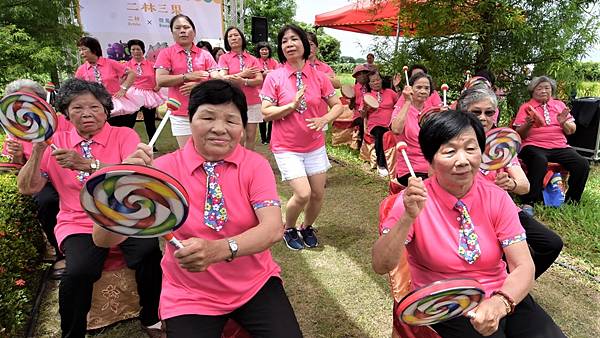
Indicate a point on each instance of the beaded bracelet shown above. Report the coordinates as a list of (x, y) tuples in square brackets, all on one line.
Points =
[(507, 301)]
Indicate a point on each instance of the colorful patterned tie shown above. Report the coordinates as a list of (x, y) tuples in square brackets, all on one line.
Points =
[(86, 150), (546, 114), (138, 69), (299, 84), (379, 98), (97, 74), (265, 65), (215, 214), (242, 64), (468, 243), (188, 59)]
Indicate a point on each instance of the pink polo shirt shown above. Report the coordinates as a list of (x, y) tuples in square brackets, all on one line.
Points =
[(231, 62), (433, 100), (174, 60), (410, 135), (547, 136), (382, 116), (322, 67), (247, 183), (111, 72), (147, 80), (269, 64), (111, 145), (433, 237), (291, 132)]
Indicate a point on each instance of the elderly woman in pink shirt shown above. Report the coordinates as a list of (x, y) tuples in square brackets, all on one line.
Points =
[(114, 76), (378, 121), (543, 123), (405, 124), (458, 225), (292, 97), (90, 145), (181, 67), (225, 269), (545, 245), (243, 69)]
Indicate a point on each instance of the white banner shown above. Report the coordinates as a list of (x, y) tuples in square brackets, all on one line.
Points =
[(114, 22)]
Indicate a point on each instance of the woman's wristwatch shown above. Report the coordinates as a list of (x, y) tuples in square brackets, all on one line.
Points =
[(233, 247), (95, 165)]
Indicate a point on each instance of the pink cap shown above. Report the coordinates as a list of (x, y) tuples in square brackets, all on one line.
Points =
[(360, 68), (401, 145)]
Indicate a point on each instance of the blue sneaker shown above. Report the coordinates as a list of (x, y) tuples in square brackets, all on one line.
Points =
[(292, 239), (309, 237)]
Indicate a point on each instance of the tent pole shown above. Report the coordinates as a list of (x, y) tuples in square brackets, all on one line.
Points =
[(397, 34)]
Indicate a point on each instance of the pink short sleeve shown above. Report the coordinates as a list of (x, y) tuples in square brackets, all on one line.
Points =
[(210, 63), (223, 62), (521, 115), (327, 89), (506, 222), (394, 215), (119, 68), (263, 189), (269, 90), (80, 72), (164, 60)]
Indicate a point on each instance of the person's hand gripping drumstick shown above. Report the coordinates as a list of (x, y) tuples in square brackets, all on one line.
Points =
[(402, 147)]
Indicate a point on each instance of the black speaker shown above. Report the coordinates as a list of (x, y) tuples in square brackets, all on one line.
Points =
[(586, 139), (260, 29)]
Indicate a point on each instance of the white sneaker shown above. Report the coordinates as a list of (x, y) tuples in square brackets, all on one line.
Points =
[(383, 172)]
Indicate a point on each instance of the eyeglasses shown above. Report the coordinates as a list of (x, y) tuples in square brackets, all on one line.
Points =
[(488, 113)]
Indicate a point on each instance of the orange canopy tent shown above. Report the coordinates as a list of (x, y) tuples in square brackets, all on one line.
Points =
[(363, 17)]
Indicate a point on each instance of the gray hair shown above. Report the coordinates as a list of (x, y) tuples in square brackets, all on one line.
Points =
[(474, 95), (17, 85), (536, 81), (74, 87)]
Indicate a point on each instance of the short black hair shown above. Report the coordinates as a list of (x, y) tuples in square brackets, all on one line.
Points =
[(312, 37), (218, 92), (439, 129), (203, 43), (75, 87), (486, 74), (301, 33), (91, 43), (136, 42), (172, 22), (260, 46), (417, 66), (226, 43), (215, 51), (420, 75)]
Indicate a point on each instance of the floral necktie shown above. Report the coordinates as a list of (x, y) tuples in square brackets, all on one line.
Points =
[(468, 243), (299, 84), (265, 65), (86, 150), (215, 214), (188, 59), (242, 64), (379, 98), (138, 69), (546, 114), (97, 74)]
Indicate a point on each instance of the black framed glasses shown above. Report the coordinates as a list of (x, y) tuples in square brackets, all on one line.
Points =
[(488, 113)]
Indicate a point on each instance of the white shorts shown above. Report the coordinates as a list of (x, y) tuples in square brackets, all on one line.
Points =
[(180, 125), (254, 114), (294, 165)]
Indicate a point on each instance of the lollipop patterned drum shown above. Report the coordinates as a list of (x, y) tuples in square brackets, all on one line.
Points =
[(135, 201), (440, 301), (27, 117), (501, 146)]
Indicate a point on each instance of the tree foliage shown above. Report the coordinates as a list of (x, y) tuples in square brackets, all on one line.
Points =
[(329, 47), (513, 38), (37, 39)]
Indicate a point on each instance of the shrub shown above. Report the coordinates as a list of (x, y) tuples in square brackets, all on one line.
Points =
[(342, 67), (21, 248)]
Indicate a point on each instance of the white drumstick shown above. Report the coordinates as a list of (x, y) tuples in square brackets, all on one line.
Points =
[(402, 147)]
